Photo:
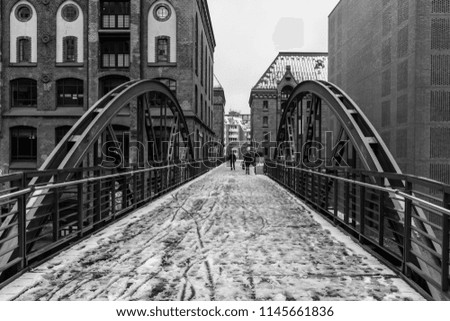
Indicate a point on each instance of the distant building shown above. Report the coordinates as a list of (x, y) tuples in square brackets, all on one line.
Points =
[(59, 57), (393, 59), (219, 103), (234, 134), (273, 89)]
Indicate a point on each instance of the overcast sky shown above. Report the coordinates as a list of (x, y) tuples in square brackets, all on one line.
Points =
[(250, 33)]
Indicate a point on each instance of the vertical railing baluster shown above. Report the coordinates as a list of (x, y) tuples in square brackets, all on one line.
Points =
[(56, 216), (22, 225), (346, 199), (135, 193), (327, 193), (381, 214), (445, 243), (97, 199), (113, 197), (362, 208), (336, 197), (407, 231), (80, 207)]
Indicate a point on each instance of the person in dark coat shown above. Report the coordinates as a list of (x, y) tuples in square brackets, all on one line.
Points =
[(248, 160), (233, 160)]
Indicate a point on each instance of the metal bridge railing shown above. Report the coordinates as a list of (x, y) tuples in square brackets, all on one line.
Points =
[(403, 218), (37, 221)]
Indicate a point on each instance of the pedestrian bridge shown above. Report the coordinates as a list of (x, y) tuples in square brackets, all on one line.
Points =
[(223, 227), (223, 236)]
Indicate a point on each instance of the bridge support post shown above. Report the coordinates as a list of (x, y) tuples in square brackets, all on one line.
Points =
[(336, 199), (362, 208), (56, 213), (22, 223), (346, 199), (381, 215), (407, 232), (80, 199), (445, 243)]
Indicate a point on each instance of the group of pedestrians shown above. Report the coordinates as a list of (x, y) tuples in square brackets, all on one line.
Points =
[(249, 159)]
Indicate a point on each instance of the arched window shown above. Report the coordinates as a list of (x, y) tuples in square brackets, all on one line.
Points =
[(23, 92), (171, 83), (108, 83), (162, 49), (69, 33), (23, 33), (23, 143), (70, 49), (60, 132), (162, 33), (70, 92), (23, 49), (265, 121)]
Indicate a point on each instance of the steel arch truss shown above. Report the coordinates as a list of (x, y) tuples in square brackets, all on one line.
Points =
[(159, 115), (354, 127), (303, 127)]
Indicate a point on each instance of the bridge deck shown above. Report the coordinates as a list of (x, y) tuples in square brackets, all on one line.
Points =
[(225, 236)]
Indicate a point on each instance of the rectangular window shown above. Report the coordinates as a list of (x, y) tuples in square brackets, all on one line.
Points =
[(23, 144), (70, 49), (196, 44), (23, 93), (69, 92), (265, 105), (24, 49), (115, 14), (201, 61), (196, 99), (265, 121), (115, 53), (162, 49)]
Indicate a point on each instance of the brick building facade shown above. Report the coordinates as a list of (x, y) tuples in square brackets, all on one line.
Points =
[(273, 88), (219, 103), (393, 58), (61, 56)]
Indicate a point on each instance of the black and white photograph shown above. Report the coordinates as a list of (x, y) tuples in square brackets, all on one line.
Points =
[(240, 159)]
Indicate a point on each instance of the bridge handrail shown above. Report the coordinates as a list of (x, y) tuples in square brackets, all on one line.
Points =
[(403, 228), (34, 188), (379, 188)]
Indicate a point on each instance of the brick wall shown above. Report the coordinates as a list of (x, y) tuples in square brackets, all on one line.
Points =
[(381, 54), (46, 116)]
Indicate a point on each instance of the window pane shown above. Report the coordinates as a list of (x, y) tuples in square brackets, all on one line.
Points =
[(23, 144), (70, 93)]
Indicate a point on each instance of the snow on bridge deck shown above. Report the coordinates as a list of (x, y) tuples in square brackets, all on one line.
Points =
[(224, 236)]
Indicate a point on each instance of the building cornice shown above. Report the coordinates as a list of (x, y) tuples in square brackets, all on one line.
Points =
[(207, 23)]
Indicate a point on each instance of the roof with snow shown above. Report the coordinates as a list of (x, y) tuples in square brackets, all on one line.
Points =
[(304, 66), (217, 83)]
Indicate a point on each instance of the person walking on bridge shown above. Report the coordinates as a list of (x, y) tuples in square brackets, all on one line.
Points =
[(248, 160), (233, 160)]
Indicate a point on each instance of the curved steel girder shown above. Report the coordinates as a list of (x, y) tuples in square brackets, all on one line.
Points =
[(374, 154), (55, 158), (370, 147), (106, 109)]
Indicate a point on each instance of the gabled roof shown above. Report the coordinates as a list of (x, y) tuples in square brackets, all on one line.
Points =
[(217, 83), (304, 66)]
